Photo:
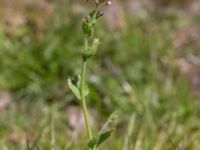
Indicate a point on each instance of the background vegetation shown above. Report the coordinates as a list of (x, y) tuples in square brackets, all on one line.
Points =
[(147, 68)]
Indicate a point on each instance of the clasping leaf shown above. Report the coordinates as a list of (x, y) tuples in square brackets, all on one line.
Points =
[(102, 137), (103, 134), (91, 51), (74, 85)]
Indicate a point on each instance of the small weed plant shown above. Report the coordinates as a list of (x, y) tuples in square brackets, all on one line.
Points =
[(78, 83)]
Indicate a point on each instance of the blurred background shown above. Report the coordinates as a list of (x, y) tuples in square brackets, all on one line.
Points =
[(147, 68)]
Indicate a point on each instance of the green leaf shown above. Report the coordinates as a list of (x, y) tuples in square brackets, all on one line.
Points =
[(73, 84), (113, 117), (95, 44), (92, 143), (94, 16), (87, 28), (88, 54), (104, 136), (91, 51), (89, 22)]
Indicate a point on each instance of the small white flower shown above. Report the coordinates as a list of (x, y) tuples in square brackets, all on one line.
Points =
[(108, 3)]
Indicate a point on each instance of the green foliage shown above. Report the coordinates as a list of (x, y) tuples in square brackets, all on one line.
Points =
[(78, 84), (74, 85), (102, 137), (87, 28), (91, 50), (104, 133), (134, 72), (89, 22), (41, 65)]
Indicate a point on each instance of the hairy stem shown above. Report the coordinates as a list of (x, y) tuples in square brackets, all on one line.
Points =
[(82, 92)]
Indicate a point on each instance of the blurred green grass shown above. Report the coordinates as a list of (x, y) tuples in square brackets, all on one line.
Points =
[(135, 73)]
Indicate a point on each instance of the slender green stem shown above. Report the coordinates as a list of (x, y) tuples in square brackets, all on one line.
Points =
[(82, 92)]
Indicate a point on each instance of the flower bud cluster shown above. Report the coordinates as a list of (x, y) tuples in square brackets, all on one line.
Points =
[(101, 5), (88, 27), (93, 16)]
